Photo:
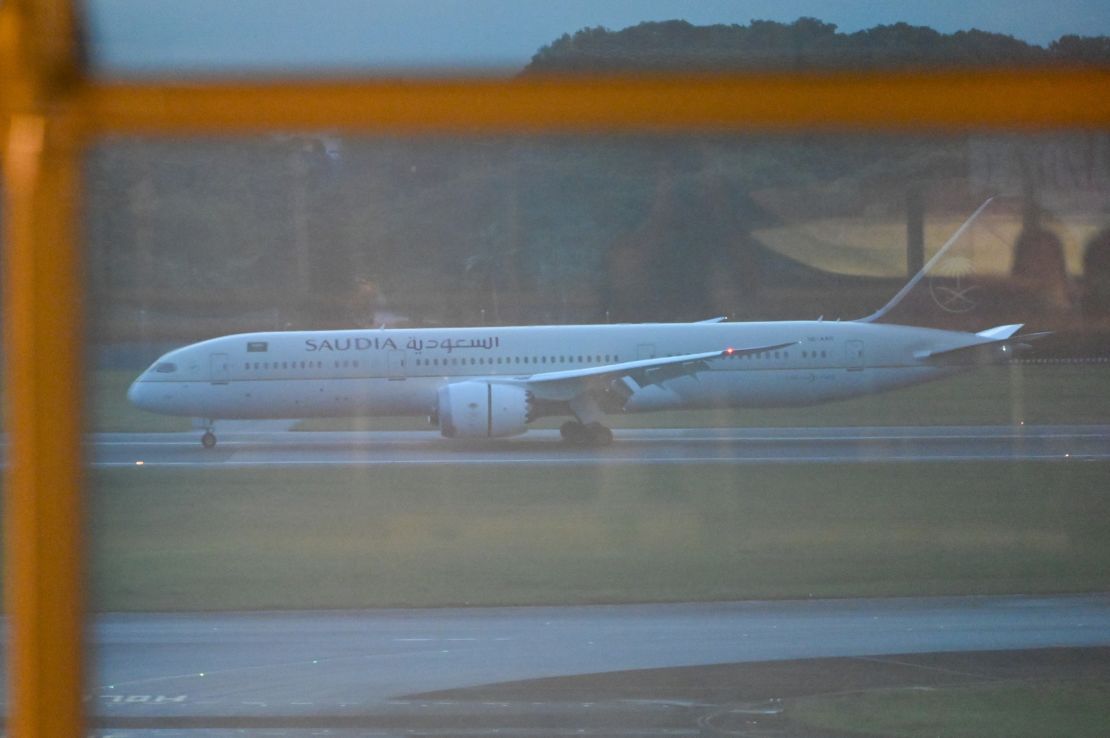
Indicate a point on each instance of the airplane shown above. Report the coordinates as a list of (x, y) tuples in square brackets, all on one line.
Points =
[(491, 382)]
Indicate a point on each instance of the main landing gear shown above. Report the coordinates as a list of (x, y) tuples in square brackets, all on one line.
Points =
[(585, 434)]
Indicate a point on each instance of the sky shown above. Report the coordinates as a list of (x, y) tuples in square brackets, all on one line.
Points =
[(141, 37)]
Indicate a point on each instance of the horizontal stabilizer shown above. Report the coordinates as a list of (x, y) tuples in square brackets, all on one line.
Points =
[(1000, 344), (1002, 331)]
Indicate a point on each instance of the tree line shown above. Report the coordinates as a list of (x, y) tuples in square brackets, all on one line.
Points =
[(807, 43)]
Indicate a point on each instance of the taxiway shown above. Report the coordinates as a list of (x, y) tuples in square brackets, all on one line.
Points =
[(289, 672)]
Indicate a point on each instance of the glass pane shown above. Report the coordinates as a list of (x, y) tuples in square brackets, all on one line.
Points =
[(204, 37), (784, 491), (4, 424)]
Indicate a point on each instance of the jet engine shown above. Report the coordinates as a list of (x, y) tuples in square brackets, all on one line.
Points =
[(483, 410)]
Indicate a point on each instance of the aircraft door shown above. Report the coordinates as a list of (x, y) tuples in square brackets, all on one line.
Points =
[(396, 364), (219, 370), (645, 351), (853, 353)]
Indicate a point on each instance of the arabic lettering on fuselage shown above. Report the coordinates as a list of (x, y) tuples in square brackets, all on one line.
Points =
[(387, 343), (448, 345)]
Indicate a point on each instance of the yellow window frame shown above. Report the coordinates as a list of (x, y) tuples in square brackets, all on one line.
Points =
[(52, 109)]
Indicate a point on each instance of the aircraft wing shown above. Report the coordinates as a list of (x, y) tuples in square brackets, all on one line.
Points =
[(566, 384)]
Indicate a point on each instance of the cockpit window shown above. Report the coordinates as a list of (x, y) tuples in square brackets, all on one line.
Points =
[(165, 367)]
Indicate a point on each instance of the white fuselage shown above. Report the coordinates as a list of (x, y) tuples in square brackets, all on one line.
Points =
[(301, 374)]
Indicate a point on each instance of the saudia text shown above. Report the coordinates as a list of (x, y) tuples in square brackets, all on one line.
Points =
[(362, 343)]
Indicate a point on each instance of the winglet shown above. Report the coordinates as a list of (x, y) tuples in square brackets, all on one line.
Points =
[(924, 270)]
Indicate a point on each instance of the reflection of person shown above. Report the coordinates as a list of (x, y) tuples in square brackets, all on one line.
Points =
[(1039, 267), (363, 302), (1096, 276)]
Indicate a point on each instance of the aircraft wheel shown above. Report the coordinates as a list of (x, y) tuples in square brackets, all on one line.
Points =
[(599, 435), (208, 440)]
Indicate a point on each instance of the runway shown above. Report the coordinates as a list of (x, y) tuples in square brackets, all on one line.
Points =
[(632, 446), (371, 672)]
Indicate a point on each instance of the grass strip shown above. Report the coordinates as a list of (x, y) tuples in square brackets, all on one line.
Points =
[(1078, 709), (337, 537)]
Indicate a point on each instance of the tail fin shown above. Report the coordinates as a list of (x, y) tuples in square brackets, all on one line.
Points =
[(925, 270)]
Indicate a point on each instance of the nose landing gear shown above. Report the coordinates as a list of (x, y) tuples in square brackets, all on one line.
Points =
[(208, 440)]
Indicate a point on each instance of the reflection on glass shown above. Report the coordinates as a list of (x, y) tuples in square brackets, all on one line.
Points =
[(241, 585), (323, 232)]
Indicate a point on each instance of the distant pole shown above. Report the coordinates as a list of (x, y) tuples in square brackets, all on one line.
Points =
[(299, 166), (915, 230)]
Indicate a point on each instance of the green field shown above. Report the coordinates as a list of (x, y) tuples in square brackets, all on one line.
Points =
[(1073, 709), (167, 539), (998, 395)]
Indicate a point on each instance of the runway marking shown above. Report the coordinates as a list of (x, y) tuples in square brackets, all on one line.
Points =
[(926, 667), (140, 699), (279, 665)]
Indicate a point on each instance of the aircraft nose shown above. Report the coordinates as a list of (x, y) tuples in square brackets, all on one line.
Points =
[(136, 393)]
